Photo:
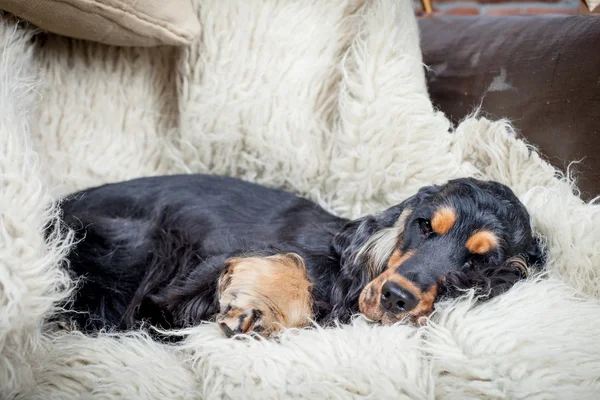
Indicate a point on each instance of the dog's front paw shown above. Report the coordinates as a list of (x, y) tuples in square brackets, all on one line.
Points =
[(264, 295), (236, 320)]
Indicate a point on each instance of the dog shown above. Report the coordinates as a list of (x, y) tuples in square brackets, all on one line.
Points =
[(173, 251)]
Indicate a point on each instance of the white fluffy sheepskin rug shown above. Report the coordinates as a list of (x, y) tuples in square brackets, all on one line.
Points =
[(324, 98)]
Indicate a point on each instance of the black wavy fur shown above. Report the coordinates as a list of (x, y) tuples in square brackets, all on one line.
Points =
[(151, 250)]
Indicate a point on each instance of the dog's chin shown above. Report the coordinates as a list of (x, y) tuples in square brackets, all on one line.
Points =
[(384, 318), (377, 315), (370, 307)]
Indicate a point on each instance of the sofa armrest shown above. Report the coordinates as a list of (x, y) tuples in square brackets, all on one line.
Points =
[(541, 72)]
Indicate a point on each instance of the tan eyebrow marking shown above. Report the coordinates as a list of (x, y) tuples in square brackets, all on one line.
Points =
[(481, 242), (443, 220)]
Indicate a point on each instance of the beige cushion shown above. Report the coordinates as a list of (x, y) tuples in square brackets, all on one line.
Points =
[(116, 22)]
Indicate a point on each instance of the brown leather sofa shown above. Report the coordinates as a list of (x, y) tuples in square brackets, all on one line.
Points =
[(541, 72)]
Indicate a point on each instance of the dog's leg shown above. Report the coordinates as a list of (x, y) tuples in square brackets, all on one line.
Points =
[(264, 294)]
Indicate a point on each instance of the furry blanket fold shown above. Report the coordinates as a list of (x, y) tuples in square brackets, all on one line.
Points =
[(326, 99)]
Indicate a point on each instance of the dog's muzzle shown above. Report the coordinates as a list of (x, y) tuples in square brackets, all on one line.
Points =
[(396, 299)]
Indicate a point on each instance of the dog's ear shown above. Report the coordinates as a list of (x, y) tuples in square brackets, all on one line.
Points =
[(353, 277), (348, 241), (534, 250), (536, 253)]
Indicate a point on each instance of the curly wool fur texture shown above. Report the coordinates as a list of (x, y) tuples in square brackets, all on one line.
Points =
[(327, 99), (30, 283)]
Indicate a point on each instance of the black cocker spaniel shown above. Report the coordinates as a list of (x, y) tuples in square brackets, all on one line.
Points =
[(173, 251)]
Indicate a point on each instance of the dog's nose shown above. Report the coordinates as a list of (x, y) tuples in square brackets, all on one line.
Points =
[(396, 299)]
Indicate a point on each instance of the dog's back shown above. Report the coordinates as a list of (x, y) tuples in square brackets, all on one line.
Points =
[(152, 231)]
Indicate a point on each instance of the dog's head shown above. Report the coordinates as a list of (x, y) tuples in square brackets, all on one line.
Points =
[(464, 234)]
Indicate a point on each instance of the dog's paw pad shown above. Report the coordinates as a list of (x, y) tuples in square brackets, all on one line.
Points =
[(235, 321)]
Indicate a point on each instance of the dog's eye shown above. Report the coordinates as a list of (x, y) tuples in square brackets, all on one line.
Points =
[(425, 226)]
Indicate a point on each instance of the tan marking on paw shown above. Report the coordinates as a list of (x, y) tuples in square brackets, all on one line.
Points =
[(264, 294)]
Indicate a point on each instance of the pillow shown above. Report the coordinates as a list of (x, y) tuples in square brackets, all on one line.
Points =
[(116, 22)]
